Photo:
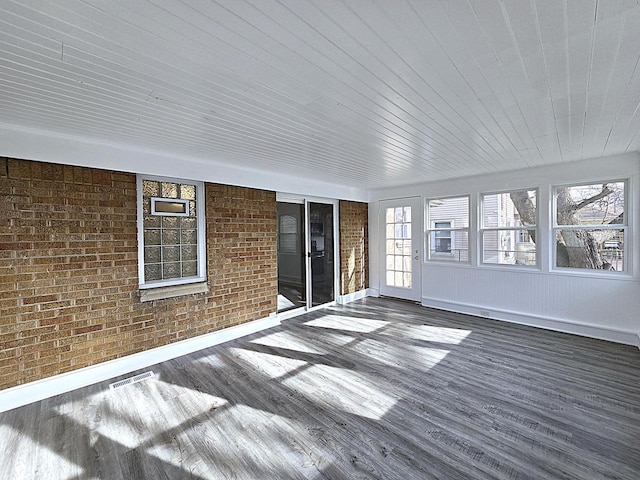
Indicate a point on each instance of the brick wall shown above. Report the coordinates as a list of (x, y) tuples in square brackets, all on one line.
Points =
[(68, 269), (354, 247)]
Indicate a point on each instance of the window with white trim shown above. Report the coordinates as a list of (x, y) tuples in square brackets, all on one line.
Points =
[(508, 228), (590, 226), (448, 231), (171, 232)]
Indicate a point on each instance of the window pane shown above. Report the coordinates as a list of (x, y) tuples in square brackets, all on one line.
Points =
[(152, 255), (169, 190), (189, 269), (455, 210), (151, 221), (594, 249), (509, 209), (448, 245), (391, 278), (505, 247), (188, 222), (170, 222), (390, 215), (390, 247), (170, 237), (170, 254), (595, 204), (171, 270), (152, 237), (150, 188), (189, 253), (390, 262), (152, 272), (189, 237), (390, 230), (188, 192), (407, 214)]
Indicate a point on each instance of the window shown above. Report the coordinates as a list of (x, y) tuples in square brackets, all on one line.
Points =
[(443, 238), (508, 227), (448, 233), (170, 232), (590, 226), (288, 234)]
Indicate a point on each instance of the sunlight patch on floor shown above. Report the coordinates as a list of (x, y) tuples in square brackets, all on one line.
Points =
[(407, 356), (273, 366), (49, 463), (135, 413), (342, 389), (242, 445), (287, 341), (426, 358), (428, 333), (349, 324)]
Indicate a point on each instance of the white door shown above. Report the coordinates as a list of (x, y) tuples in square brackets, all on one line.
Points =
[(401, 236)]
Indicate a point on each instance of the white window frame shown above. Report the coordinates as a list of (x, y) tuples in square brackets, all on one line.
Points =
[(516, 229), (156, 200), (618, 226), (444, 256), (201, 247)]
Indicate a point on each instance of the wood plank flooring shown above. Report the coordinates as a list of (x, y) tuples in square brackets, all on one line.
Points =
[(376, 389)]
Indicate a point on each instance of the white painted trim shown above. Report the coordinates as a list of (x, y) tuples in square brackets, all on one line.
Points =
[(373, 292), (559, 325), (351, 297), (48, 387)]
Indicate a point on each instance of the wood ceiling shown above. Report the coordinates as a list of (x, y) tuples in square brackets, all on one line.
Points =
[(361, 93)]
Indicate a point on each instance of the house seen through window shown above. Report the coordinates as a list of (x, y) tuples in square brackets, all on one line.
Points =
[(448, 229)]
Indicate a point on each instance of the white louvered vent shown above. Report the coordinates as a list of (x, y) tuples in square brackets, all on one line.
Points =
[(131, 380)]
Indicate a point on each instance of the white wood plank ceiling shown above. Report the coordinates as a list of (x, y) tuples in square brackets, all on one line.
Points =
[(362, 93)]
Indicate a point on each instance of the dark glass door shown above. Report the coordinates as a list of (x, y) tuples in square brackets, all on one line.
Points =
[(321, 253), (292, 268)]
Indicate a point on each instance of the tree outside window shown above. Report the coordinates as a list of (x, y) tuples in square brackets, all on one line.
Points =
[(589, 225)]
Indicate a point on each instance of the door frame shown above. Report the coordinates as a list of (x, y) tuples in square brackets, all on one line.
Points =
[(305, 200), (417, 248)]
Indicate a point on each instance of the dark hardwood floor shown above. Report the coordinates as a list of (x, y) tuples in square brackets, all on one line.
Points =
[(376, 389)]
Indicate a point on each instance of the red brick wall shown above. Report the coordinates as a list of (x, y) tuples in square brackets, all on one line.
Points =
[(68, 269), (354, 247)]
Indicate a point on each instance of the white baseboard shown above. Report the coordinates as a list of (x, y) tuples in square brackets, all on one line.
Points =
[(373, 292), (48, 387), (559, 325), (351, 297)]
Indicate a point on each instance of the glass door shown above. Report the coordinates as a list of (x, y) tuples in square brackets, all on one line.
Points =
[(321, 253), (292, 254), (402, 234), (306, 253)]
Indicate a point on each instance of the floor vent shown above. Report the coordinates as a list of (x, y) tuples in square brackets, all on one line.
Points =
[(131, 380)]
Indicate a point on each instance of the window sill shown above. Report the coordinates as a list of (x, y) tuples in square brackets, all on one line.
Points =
[(160, 293)]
